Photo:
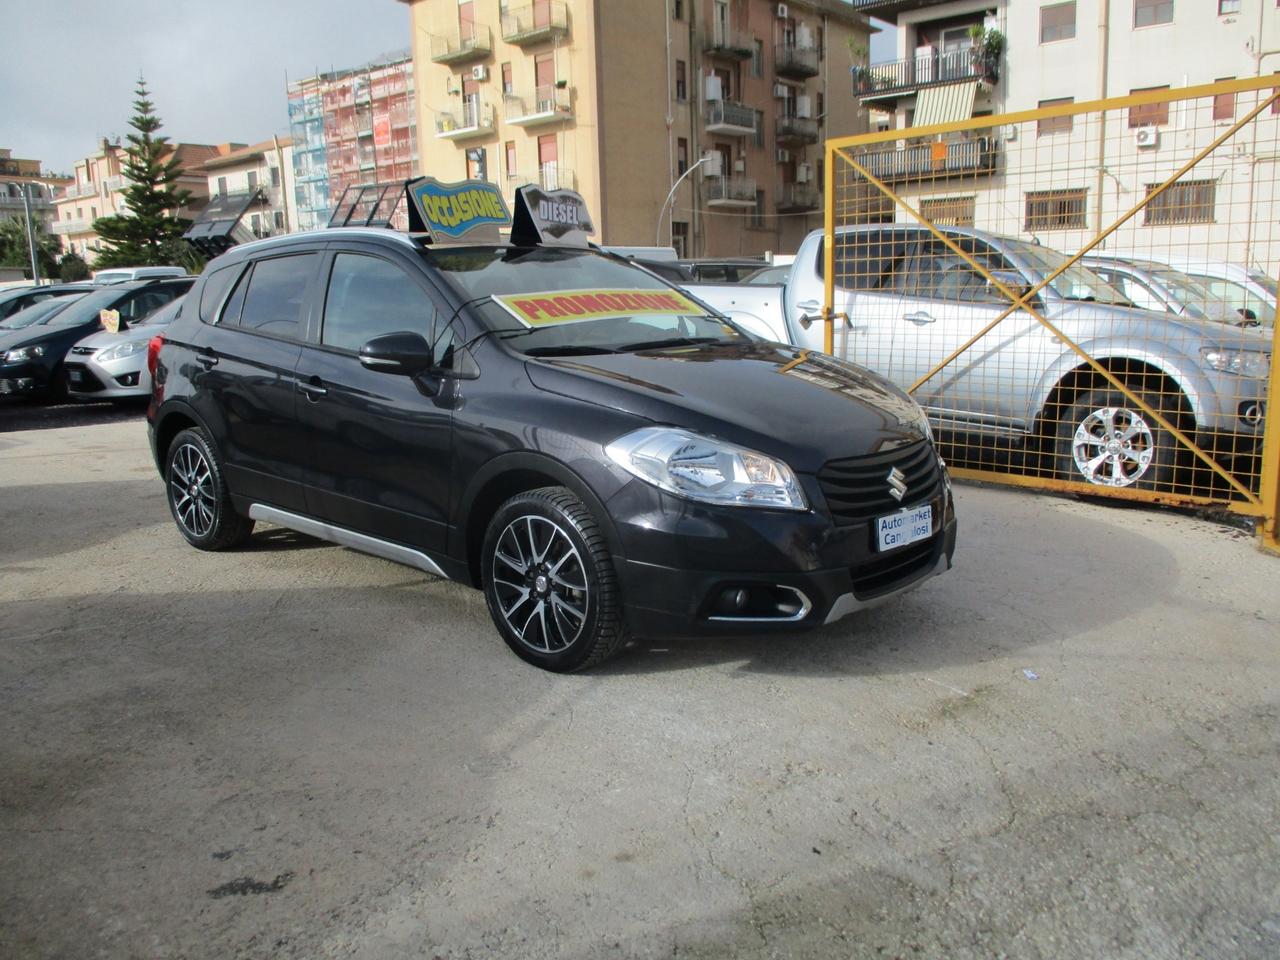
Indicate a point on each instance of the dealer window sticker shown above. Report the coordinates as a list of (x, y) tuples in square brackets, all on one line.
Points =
[(556, 307)]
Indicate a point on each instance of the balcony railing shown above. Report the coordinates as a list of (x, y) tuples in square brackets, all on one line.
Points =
[(112, 184), (722, 41), (473, 119), (473, 43), (927, 70), (793, 60), (542, 20), (69, 226), (795, 197), (796, 129), (979, 155), (547, 104), (550, 176), (730, 191), (726, 116), (76, 191)]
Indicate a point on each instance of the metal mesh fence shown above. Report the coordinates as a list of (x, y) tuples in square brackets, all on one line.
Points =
[(1082, 296)]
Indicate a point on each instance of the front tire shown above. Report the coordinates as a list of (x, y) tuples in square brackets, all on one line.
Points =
[(1106, 440), (549, 581), (198, 497)]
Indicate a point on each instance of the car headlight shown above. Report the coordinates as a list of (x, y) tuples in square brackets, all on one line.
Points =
[(708, 470), (23, 353), (1244, 363), (121, 350)]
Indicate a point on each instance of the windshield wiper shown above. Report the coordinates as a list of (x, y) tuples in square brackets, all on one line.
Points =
[(1089, 298), (668, 342), (567, 350)]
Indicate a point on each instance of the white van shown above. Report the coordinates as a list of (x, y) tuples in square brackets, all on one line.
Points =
[(125, 274), (1243, 289)]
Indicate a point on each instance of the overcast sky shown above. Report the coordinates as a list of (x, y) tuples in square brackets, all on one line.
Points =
[(216, 69)]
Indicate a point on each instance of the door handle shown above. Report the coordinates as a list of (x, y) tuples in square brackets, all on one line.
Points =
[(808, 306), (920, 318), (312, 389), (207, 358)]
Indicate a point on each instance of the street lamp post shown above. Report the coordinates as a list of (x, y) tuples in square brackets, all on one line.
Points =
[(662, 212), (31, 232)]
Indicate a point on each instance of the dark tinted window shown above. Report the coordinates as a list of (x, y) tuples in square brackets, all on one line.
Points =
[(215, 288), (145, 302), (368, 297), (867, 259), (936, 272), (276, 295)]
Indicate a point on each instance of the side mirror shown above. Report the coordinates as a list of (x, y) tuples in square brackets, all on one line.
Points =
[(402, 353)]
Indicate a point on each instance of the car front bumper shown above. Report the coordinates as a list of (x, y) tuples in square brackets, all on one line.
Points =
[(90, 379), (25, 377), (680, 559)]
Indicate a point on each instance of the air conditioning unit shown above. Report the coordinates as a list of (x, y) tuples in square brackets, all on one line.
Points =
[(780, 91), (803, 173), (1144, 138), (803, 108), (740, 165), (480, 73), (712, 166), (781, 11), (782, 156)]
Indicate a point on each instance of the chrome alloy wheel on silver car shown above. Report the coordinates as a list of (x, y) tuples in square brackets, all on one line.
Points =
[(541, 584), (191, 490), (1113, 447)]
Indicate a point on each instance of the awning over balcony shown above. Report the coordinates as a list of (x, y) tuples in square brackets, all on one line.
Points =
[(945, 104)]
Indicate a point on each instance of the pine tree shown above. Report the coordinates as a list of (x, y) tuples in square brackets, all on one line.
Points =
[(147, 235)]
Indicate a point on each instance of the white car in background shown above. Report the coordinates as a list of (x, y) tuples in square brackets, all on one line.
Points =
[(1246, 291), (125, 274), (113, 366)]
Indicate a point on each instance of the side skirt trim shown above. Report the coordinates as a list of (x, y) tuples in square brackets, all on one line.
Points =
[(348, 538)]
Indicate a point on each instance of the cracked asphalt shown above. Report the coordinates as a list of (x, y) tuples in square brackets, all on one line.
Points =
[(1066, 747)]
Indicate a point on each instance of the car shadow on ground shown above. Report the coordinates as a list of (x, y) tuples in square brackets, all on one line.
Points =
[(22, 414)]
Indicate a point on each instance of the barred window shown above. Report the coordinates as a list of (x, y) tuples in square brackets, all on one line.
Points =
[(1055, 210), (1149, 114), (948, 211), (1187, 201), (1055, 124), (1058, 22), (1147, 13)]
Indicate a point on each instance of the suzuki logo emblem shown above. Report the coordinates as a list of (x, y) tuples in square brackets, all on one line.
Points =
[(897, 484)]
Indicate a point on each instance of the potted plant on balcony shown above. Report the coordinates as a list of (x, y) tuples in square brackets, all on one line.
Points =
[(986, 46), (860, 71)]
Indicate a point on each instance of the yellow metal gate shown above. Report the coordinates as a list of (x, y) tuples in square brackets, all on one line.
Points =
[(1081, 296)]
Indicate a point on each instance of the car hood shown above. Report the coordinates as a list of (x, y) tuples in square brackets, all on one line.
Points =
[(38, 333), (1178, 329), (804, 407)]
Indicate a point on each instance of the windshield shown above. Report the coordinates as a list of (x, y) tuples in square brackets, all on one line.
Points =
[(1078, 282), (1265, 282), (39, 312), (566, 301), (85, 309)]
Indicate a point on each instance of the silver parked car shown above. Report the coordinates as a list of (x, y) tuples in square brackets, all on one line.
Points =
[(1158, 286), (113, 366)]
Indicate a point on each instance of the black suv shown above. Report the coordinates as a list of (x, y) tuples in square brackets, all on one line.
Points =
[(542, 423)]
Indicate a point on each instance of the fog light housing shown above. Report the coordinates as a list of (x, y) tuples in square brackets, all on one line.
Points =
[(758, 602), (128, 379)]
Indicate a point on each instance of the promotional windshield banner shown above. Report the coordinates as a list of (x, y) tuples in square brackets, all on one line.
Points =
[(472, 209), (550, 217), (578, 306)]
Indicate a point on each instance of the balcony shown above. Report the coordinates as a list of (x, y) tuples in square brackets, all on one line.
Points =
[(900, 77), (726, 116), (76, 191), (889, 9), (795, 61), (112, 184), (474, 43), (547, 104), (797, 198), (796, 129), (729, 191), (921, 161), (63, 227), (730, 44), (473, 119), (551, 176), (543, 20)]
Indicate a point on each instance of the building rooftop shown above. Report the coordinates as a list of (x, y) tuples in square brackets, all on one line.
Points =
[(243, 153)]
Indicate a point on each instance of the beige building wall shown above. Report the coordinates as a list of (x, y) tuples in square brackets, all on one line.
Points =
[(616, 118), (267, 167)]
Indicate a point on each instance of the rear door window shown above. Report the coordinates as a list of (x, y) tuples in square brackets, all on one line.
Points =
[(274, 296), (866, 259), (215, 289)]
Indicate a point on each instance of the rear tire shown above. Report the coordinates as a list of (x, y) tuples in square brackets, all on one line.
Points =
[(549, 581), (198, 497), (1107, 441)]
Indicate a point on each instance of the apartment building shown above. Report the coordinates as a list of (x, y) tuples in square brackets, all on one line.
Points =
[(619, 99), (1074, 178), (18, 176), (263, 175), (348, 127), (97, 190)]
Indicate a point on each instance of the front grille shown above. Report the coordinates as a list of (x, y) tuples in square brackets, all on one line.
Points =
[(857, 489), (81, 379), (888, 570)]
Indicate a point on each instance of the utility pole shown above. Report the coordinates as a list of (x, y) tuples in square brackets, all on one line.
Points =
[(31, 231)]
